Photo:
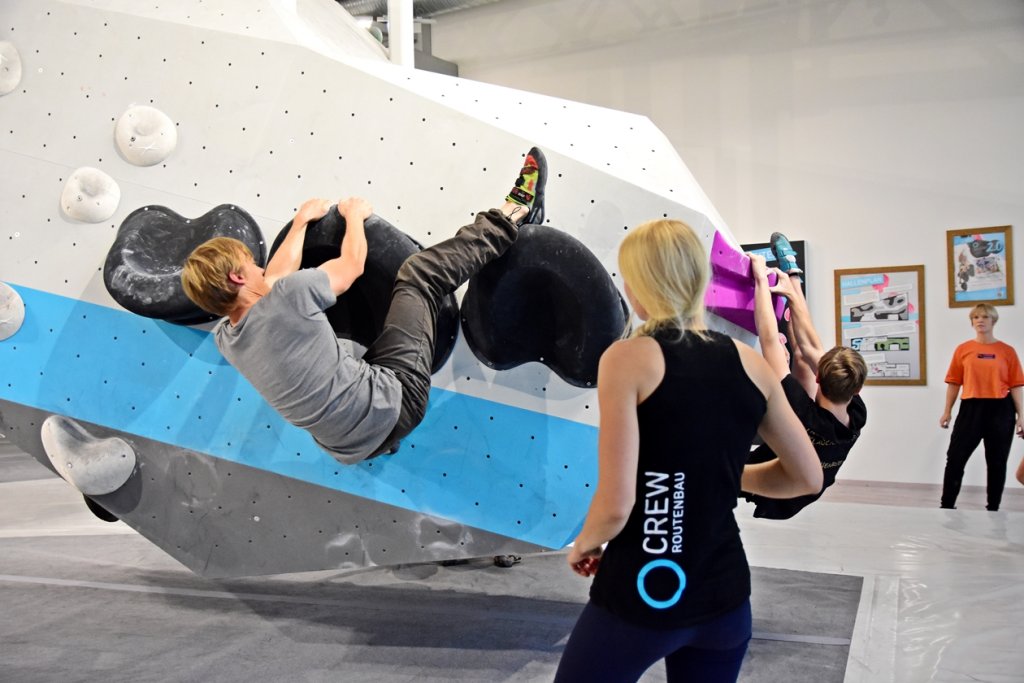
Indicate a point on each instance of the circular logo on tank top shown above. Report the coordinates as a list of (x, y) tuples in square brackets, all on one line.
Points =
[(641, 583)]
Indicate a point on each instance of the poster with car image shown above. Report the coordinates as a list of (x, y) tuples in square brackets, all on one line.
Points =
[(980, 265), (880, 313)]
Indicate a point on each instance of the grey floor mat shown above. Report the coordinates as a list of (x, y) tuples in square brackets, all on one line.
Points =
[(115, 607)]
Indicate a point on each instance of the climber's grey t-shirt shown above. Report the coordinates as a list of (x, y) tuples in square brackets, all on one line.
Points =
[(288, 351)]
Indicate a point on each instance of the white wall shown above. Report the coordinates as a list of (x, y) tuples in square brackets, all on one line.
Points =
[(867, 128)]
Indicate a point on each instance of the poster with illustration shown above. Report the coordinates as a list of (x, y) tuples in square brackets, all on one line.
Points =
[(980, 264), (880, 313)]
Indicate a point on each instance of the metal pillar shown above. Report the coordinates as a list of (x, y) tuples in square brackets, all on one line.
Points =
[(401, 33)]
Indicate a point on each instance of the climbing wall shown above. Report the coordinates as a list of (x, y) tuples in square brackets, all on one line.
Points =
[(274, 102)]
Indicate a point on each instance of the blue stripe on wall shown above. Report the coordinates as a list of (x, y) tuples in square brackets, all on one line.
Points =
[(511, 471)]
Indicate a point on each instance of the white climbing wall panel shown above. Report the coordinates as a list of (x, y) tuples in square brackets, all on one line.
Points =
[(268, 116)]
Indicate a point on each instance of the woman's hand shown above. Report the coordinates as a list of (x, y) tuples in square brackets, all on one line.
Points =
[(585, 562)]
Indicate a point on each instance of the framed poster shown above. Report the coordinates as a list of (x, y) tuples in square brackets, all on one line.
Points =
[(880, 312), (980, 265)]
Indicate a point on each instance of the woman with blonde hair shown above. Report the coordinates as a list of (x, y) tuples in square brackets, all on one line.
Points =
[(989, 373), (680, 405)]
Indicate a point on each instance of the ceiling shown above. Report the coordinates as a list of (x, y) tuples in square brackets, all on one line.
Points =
[(421, 9)]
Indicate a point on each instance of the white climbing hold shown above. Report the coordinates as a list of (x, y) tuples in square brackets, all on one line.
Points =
[(92, 465), (12, 311), (145, 135), (90, 195), (10, 67)]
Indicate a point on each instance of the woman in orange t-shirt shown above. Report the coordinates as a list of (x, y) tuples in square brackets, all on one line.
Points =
[(990, 375)]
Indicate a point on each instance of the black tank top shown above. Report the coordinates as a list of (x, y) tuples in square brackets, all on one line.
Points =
[(679, 560)]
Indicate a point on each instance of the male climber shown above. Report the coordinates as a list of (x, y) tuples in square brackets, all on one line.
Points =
[(277, 335), (822, 388)]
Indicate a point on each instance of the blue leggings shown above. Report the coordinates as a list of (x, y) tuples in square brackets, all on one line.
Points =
[(603, 647)]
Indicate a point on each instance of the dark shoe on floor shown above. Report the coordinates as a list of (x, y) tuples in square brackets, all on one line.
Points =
[(784, 254), (506, 560), (529, 188)]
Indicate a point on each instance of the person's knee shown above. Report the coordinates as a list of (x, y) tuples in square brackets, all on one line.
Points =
[(410, 270), (415, 271)]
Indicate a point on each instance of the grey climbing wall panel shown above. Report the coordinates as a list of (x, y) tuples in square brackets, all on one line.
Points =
[(221, 519)]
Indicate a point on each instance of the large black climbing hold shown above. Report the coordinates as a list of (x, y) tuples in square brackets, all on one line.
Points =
[(143, 267), (359, 312), (547, 299)]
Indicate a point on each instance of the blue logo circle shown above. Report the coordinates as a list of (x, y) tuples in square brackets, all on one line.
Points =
[(655, 564)]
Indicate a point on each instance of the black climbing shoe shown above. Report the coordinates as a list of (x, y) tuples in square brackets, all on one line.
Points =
[(529, 188)]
